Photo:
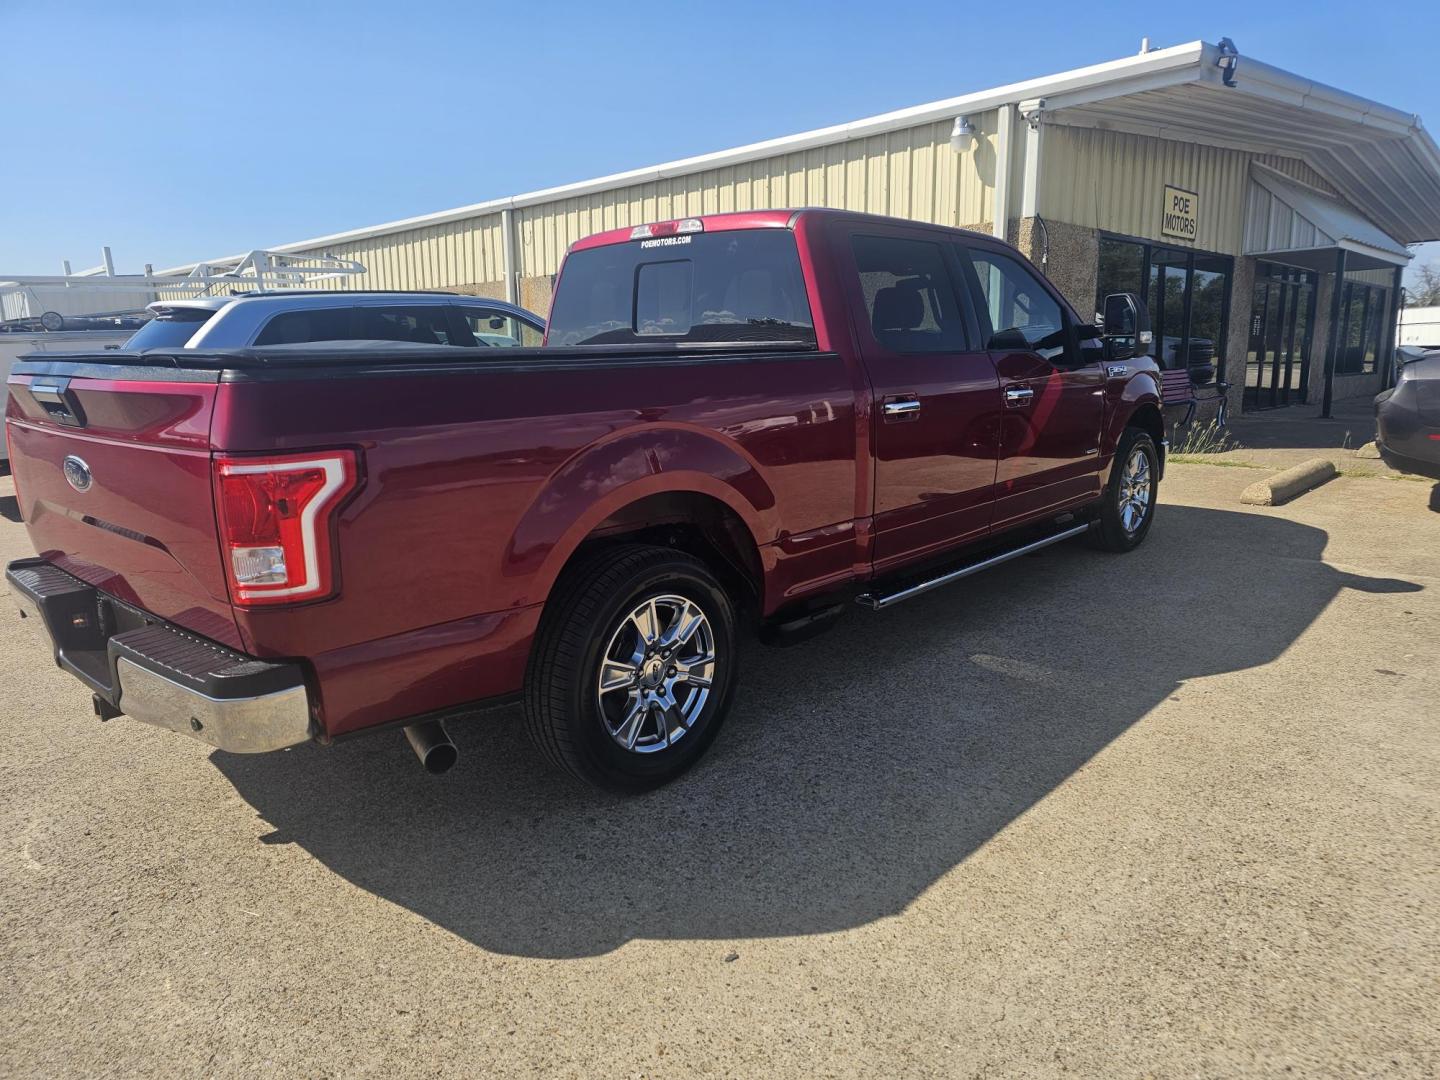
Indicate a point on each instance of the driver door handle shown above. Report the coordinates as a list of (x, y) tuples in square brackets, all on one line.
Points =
[(896, 409), (1017, 397)]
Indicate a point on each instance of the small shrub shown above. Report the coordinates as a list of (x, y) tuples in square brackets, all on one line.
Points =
[(1207, 438)]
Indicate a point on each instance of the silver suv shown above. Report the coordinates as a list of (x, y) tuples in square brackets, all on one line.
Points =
[(290, 318)]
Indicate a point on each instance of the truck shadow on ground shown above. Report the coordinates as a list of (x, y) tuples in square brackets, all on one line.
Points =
[(854, 771)]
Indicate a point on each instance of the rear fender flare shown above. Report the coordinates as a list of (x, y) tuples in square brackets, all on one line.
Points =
[(610, 475)]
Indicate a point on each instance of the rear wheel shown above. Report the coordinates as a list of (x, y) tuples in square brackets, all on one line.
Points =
[(1128, 506), (632, 667)]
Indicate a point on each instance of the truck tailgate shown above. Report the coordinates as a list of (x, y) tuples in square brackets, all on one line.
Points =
[(114, 481)]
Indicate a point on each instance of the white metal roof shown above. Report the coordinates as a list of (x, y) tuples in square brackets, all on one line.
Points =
[(1380, 158)]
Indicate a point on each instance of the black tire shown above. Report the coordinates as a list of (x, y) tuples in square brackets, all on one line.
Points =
[(1110, 532), (587, 611)]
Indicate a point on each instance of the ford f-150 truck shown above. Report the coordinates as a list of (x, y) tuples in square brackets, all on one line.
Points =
[(741, 422)]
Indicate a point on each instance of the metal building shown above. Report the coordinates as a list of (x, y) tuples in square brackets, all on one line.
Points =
[(1235, 195)]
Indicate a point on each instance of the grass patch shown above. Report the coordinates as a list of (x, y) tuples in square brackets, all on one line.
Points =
[(1207, 438), (1210, 459), (1388, 476)]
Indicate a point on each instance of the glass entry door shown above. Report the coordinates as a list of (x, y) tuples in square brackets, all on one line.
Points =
[(1277, 363)]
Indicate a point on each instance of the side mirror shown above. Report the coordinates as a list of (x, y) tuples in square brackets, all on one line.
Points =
[(1126, 326)]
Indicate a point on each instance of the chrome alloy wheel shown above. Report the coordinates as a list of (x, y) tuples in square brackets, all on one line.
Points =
[(656, 673), (1136, 491)]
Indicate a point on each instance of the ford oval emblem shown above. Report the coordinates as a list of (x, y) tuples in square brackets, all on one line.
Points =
[(77, 473)]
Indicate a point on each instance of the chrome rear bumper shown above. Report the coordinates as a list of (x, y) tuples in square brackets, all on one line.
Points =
[(159, 673)]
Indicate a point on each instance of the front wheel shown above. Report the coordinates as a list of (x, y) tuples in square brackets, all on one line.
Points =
[(632, 667), (1128, 505)]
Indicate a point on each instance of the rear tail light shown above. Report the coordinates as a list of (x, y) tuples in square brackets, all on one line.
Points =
[(276, 518)]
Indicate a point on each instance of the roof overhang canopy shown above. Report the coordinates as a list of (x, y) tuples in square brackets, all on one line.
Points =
[(1380, 159), (1294, 223)]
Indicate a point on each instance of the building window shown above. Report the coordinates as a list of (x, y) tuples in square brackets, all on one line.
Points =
[(1187, 293), (1362, 325)]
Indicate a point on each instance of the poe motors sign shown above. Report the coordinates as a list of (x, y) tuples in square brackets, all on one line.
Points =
[(1180, 216)]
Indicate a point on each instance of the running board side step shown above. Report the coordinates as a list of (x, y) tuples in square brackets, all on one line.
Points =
[(881, 601)]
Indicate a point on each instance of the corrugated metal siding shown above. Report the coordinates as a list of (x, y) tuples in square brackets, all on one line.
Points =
[(1382, 277), (447, 256), (1091, 178), (1272, 225), (913, 173), (456, 253), (1296, 169), (1115, 181)]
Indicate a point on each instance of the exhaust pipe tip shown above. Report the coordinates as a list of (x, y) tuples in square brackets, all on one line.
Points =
[(432, 746)]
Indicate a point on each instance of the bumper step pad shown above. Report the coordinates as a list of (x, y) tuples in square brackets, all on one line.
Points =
[(160, 673)]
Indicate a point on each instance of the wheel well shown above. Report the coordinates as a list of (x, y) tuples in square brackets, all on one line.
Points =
[(698, 524), (1148, 419)]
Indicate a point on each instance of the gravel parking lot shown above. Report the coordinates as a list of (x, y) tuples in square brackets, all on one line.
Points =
[(1169, 814)]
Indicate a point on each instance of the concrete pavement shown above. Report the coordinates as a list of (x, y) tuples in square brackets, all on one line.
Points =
[(1167, 814)]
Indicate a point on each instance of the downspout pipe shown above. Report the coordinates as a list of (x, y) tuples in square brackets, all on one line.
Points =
[(1004, 157), (507, 255)]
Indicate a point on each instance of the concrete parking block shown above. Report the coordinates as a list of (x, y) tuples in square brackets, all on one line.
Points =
[(1284, 486)]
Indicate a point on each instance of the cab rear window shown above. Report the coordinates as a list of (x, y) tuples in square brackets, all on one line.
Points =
[(738, 286)]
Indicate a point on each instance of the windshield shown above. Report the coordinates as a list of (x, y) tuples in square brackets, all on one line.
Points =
[(170, 330), (744, 285)]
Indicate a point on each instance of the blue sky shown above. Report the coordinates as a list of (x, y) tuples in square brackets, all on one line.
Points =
[(181, 131)]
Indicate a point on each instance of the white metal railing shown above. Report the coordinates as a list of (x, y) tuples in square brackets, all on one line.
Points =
[(255, 271)]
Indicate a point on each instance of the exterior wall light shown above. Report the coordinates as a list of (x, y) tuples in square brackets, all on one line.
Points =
[(962, 135), (1227, 61)]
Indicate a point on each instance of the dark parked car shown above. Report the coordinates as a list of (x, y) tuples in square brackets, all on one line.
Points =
[(737, 422), (1407, 417)]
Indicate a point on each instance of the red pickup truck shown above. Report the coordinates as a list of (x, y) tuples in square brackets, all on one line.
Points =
[(740, 422)]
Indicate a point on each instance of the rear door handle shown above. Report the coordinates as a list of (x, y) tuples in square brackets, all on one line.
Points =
[(901, 409), (1017, 397)]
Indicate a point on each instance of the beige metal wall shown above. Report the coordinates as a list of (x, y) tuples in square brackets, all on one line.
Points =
[(912, 173), (1115, 181), (453, 255), (464, 255)]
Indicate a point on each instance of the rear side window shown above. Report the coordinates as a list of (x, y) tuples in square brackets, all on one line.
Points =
[(295, 327), (909, 297), (170, 329), (422, 325), (744, 285)]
